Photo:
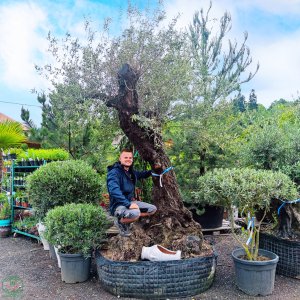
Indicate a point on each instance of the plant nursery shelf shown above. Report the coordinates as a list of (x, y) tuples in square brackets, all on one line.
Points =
[(14, 185), (22, 207), (14, 230)]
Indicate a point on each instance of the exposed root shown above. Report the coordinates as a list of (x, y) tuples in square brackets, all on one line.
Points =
[(168, 233)]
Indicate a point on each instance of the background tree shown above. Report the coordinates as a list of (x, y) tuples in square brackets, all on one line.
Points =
[(271, 141), (217, 72), (217, 76), (239, 103), (252, 104), (67, 123)]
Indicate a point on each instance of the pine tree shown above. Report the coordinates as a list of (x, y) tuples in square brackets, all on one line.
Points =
[(252, 105), (239, 103)]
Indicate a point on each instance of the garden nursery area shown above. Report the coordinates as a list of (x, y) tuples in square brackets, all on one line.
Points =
[(56, 235), (151, 176)]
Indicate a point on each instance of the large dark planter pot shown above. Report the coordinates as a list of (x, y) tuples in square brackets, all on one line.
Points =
[(156, 280), (255, 277), (288, 252), (74, 267), (212, 217)]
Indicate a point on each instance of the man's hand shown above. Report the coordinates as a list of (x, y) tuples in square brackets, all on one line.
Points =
[(133, 206)]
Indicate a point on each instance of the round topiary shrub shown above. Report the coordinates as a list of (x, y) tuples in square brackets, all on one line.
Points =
[(58, 183), (76, 228)]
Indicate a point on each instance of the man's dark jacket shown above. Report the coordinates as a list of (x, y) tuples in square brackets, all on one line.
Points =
[(121, 185)]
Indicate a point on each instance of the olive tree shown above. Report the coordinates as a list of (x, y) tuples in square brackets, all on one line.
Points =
[(142, 74)]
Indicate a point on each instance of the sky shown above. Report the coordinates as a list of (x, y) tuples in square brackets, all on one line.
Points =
[(273, 28)]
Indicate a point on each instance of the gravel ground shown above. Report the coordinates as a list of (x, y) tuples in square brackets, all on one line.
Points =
[(25, 261)]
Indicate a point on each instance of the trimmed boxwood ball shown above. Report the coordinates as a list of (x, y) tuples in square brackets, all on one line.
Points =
[(76, 228), (58, 183)]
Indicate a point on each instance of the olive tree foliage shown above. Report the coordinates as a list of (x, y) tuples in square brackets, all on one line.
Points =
[(156, 53)]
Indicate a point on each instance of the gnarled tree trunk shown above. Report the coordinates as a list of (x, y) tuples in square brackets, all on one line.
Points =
[(172, 226), (289, 222)]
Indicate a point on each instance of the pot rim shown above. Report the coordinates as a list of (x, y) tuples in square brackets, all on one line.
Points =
[(273, 257), (214, 255)]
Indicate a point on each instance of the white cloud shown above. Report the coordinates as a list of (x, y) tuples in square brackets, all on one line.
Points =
[(279, 74), (22, 40)]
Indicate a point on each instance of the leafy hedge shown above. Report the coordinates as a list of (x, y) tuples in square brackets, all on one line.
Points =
[(58, 183), (45, 154), (76, 228)]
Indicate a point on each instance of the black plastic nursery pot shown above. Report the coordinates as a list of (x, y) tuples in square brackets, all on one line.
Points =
[(288, 252), (157, 279), (74, 267), (211, 218), (255, 277)]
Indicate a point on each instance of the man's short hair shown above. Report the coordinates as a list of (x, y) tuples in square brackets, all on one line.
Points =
[(126, 150)]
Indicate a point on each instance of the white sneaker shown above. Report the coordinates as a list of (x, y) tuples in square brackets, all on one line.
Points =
[(159, 253)]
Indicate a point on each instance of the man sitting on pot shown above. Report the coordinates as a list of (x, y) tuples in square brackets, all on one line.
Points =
[(121, 181)]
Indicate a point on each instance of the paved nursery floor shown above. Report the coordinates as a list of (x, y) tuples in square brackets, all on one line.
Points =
[(24, 262)]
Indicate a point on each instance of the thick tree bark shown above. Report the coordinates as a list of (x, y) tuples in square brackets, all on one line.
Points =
[(172, 226), (288, 225), (289, 222)]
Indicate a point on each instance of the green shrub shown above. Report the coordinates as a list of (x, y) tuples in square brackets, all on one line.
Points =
[(247, 189), (5, 211), (76, 228), (243, 188), (58, 183)]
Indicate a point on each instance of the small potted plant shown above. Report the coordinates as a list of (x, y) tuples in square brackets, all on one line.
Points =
[(77, 229), (249, 190)]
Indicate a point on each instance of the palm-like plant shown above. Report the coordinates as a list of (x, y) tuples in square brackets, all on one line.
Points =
[(11, 134)]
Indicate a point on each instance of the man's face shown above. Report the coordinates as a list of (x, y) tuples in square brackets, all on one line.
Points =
[(126, 159)]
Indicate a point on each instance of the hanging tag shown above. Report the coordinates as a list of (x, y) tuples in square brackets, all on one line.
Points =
[(253, 222), (250, 238), (249, 224)]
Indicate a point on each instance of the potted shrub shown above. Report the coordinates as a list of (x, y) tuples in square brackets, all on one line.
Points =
[(5, 215), (77, 229), (249, 190), (58, 183), (207, 212)]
